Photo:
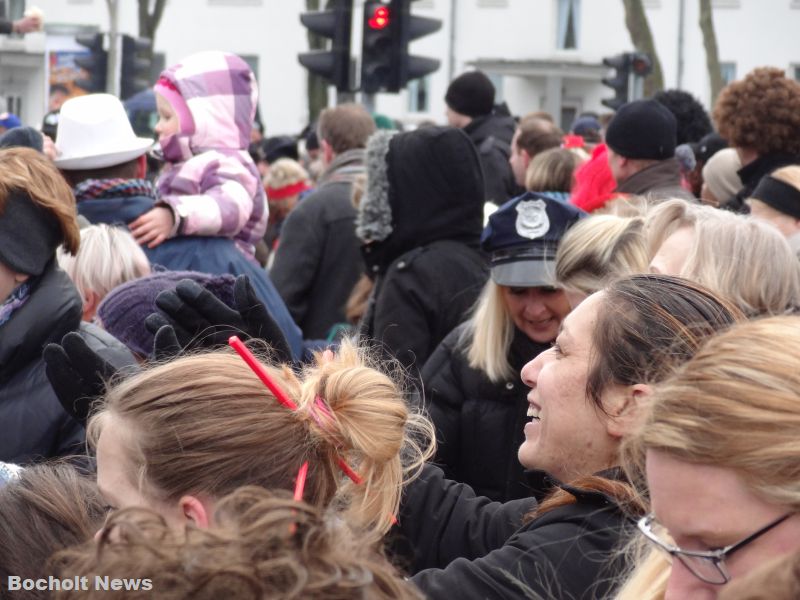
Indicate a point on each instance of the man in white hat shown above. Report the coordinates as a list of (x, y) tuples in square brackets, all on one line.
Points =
[(105, 163)]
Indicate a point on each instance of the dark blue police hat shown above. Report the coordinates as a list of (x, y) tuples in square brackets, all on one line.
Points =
[(522, 238)]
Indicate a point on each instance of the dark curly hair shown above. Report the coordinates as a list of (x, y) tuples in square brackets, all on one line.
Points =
[(761, 112), (693, 120)]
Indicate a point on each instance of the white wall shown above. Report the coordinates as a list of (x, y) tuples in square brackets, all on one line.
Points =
[(753, 33)]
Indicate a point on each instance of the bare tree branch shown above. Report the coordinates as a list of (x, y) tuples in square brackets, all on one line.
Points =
[(642, 40), (712, 52)]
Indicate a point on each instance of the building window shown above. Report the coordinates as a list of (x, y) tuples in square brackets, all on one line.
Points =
[(568, 24), (728, 71), (418, 94), (794, 71), (497, 82), (252, 62)]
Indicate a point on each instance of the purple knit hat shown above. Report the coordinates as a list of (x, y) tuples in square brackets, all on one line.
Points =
[(123, 311)]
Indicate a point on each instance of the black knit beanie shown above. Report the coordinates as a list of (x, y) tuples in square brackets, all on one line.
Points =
[(471, 94), (643, 129)]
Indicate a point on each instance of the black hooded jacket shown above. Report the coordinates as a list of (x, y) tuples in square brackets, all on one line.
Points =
[(479, 423), (492, 135), (34, 424), (421, 221)]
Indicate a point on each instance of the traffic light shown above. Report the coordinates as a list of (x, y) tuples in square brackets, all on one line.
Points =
[(334, 23), (631, 68), (379, 68), (412, 28), (621, 63), (386, 64), (134, 68), (94, 64)]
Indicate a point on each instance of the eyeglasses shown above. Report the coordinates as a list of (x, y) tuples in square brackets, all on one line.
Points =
[(707, 566)]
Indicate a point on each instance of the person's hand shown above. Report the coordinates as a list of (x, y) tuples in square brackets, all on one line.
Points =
[(77, 374), (153, 227), (49, 147), (191, 317), (27, 24)]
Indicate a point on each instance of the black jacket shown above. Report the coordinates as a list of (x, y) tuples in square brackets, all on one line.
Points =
[(492, 135), (318, 260), (34, 425), (660, 181), (752, 173), (479, 424), (424, 210), (472, 548)]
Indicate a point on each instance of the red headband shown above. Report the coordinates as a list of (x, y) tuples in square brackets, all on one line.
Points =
[(287, 190)]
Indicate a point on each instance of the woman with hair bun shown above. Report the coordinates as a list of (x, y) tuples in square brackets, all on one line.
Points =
[(179, 436)]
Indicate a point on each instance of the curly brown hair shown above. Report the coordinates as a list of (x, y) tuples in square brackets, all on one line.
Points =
[(761, 112), (262, 545)]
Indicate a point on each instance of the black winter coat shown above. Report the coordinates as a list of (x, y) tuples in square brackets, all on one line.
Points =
[(423, 209), (424, 294), (472, 548), (479, 424), (318, 260), (34, 425), (492, 135)]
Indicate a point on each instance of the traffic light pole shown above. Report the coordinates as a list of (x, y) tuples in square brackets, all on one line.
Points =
[(368, 100)]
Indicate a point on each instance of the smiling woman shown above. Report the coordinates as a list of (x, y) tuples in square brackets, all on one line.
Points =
[(585, 395), (472, 386)]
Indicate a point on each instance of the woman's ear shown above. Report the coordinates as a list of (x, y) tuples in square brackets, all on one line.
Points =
[(628, 408), (195, 510)]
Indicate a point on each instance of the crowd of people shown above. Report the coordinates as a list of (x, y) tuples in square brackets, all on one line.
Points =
[(488, 359)]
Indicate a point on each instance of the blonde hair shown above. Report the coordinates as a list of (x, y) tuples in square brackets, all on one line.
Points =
[(261, 545), (32, 173), (747, 261), (789, 175), (648, 580), (734, 406), (206, 424), (552, 170), (108, 257), (488, 334), (599, 249), (284, 172)]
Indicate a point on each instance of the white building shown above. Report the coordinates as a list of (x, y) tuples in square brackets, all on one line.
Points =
[(541, 54)]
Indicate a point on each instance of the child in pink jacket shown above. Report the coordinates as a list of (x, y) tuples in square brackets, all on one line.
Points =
[(210, 185)]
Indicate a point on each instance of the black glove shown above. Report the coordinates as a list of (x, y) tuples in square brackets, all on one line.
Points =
[(78, 374), (199, 319)]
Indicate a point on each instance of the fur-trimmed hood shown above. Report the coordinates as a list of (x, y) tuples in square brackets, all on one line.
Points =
[(422, 186)]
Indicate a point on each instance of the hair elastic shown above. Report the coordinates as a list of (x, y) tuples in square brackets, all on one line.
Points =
[(281, 396)]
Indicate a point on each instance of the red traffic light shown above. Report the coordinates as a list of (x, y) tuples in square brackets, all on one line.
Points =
[(379, 18)]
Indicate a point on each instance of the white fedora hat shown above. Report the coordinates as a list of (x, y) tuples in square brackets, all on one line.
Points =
[(94, 132)]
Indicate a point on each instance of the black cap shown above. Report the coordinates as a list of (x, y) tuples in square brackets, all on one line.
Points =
[(708, 146), (471, 94), (643, 129), (522, 238)]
